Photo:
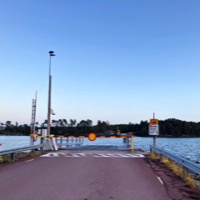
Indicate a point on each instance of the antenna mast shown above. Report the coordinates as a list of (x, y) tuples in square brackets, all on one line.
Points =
[(33, 116)]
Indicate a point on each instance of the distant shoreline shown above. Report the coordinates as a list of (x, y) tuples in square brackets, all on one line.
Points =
[(134, 136)]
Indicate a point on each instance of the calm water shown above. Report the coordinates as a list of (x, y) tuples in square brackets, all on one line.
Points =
[(186, 147)]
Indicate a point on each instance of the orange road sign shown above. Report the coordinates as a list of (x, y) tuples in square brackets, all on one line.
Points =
[(153, 121), (92, 136)]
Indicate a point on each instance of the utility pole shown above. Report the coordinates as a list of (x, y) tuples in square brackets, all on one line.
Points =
[(154, 137), (33, 116), (49, 110)]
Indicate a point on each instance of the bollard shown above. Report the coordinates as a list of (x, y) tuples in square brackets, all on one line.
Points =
[(161, 157), (185, 172), (12, 156), (42, 150)]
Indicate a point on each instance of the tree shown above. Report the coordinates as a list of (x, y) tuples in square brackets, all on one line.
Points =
[(8, 123), (143, 128), (44, 124), (102, 127), (36, 124), (72, 122), (65, 123), (170, 127), (1, 126), (55, 123), (84, 126), (60, 123), (89, 122)]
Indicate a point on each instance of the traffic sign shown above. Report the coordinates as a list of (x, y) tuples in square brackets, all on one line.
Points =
[(92, 136), (153, 121), (153, 129)]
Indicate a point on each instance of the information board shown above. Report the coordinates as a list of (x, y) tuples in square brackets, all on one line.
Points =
[(153, 130)]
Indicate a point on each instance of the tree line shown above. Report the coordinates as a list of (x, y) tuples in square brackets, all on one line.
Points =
[(167, 128)]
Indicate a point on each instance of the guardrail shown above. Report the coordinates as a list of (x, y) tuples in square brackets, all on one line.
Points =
[(12, 152), (191, 166)]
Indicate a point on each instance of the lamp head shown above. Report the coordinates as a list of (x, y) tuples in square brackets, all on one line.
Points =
[(51, 53)]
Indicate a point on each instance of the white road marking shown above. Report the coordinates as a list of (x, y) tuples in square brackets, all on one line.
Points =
[(82, 154), (138, 156), (75, 155), (101, 155), (97, 155), (113, 155), (53, 155), (160, 180), (123, 155), (29, 160)]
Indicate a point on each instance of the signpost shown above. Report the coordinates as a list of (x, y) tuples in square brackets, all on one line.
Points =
[(154, 128)]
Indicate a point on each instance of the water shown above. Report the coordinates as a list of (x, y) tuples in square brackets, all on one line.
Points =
[(12, 142), (186, 147)]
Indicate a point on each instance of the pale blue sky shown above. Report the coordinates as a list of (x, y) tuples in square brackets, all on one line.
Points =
[(116, 60)]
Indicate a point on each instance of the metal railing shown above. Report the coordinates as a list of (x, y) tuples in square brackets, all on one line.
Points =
[(69, 141), (74, 141), (191, 166), (12, 152)]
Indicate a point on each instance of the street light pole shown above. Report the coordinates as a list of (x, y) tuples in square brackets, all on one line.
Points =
[(51, 53)]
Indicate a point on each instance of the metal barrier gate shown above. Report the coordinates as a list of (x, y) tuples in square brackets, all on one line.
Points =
[(78, 141)]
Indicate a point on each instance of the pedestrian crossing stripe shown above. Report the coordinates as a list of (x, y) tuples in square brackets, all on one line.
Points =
[(95, 155)]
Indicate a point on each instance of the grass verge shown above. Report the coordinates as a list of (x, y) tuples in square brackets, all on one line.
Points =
[(191, 179), (18, 156)]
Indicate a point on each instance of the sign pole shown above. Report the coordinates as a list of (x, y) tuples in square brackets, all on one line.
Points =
[(154, 128), (154, 137)]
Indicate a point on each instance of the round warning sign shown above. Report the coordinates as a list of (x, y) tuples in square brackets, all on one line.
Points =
[(153, 121), (92, 136)]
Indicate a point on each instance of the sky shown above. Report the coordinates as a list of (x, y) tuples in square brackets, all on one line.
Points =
[(116, 60)]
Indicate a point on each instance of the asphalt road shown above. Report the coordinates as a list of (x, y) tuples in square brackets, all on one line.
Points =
[(80, 178)]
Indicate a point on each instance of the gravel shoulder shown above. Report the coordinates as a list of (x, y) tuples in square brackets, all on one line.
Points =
[(176, 187)]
